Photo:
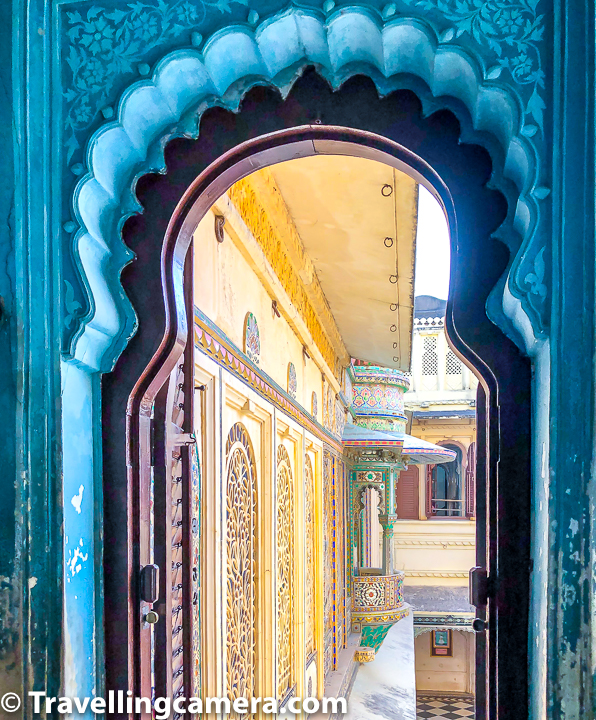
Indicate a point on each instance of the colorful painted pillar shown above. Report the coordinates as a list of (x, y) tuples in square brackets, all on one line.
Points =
[(378, 448)]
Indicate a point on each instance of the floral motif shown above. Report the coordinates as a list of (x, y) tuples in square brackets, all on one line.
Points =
[(310, 546), (314, 405), (241, 551), (252, 338), (106, 44), (292, 380), (285, 574), (512, 29)]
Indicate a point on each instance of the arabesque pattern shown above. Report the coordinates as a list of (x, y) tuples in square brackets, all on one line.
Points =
[(285, 575), (309, 540), (241, 552), (329, 561)]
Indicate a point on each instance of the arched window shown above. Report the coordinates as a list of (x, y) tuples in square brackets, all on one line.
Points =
[(370, 531), (446, 487)]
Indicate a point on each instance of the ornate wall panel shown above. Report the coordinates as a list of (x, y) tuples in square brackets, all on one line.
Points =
[(119, 78), (310, 576), (241, 553), (479, 54), (210, 340), (285, 531), (340, 534), (329, 561), (196, 531)]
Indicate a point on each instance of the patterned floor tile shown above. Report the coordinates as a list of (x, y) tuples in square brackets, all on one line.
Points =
[(447, 707)]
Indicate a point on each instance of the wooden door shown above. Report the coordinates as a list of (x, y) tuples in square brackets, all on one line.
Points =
[(174, 444)]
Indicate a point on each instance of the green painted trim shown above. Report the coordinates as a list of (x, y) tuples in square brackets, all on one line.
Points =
[(374, 635)]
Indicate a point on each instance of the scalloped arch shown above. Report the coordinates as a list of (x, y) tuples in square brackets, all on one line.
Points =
[(234, 59)]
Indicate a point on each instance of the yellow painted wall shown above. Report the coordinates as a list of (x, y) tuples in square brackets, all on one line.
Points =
[(435, 552), (461, 431), (227, 288), (445, 674), (267, 428), (230, 281)]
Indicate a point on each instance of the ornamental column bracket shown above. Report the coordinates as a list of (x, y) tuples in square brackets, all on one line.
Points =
[(135, 75)]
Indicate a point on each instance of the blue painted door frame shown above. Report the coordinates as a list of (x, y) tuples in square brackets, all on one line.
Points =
[(64, 318)]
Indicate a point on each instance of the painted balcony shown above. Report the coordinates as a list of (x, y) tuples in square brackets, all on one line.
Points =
[(377, 604)]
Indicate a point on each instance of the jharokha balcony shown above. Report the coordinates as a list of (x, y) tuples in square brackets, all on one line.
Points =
[(379, 449), (378, 603)]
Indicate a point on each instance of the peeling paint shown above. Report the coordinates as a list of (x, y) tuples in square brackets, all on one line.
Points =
[(32, 582), (73, 564), (78, 499)]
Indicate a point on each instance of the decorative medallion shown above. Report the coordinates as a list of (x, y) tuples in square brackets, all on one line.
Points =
[(292, 380), (370, 595), (315, 405), (252, 339)]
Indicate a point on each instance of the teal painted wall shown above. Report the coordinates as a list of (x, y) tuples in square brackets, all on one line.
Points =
[(10, 512), (65, 317)]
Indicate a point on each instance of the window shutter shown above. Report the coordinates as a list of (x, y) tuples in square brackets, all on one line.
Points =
[(429, 490), (407, 494), (471, 482)]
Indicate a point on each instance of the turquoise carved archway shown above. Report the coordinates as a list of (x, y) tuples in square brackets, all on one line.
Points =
[(136, 74), (484, 58)]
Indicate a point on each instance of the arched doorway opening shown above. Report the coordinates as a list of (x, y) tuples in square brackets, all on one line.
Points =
[(353, 120)]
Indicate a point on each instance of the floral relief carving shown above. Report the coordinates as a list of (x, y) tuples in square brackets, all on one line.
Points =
[(107, 43), (513, 31), (241, 551), (310, 557), (292, 380), (109, 50), (285, 574), (252, 338)]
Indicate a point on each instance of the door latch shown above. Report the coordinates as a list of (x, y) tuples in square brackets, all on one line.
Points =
[(478, 587), (150, 584)]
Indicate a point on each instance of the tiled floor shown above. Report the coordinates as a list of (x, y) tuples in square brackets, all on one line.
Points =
[(449, 707)]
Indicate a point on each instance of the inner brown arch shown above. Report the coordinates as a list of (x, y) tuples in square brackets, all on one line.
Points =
[(230, 145)]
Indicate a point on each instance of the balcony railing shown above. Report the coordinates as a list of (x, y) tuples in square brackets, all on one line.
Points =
[(377, 604), (444, 507), (378, 599)]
